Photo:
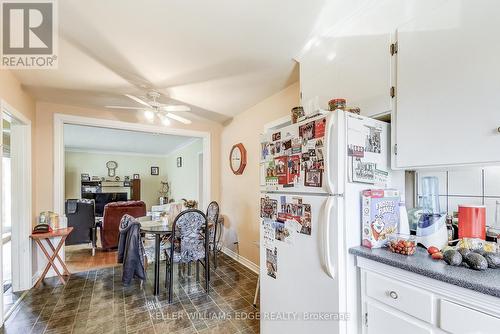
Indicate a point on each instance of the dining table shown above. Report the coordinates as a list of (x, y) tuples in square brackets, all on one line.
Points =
[(160, 229)]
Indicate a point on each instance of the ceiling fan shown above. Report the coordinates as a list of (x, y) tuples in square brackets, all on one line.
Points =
[(152, 108)]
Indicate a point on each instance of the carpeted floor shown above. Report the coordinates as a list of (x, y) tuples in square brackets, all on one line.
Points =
[(97, 302)]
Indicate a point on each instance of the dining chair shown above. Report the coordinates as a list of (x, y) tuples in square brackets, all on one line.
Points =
[(213, 220), (189, 243)]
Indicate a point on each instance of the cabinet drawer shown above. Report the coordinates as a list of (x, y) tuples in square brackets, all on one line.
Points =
[(403, 297), (463, 320), (383, 319)]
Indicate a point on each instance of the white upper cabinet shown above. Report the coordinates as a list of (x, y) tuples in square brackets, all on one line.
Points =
[(347, 55), (448, 86), (341, 68)]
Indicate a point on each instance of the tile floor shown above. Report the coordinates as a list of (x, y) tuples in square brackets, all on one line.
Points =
[(95, 301)]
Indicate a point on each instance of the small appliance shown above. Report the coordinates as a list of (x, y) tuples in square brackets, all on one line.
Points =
[(431, 228), (472, 221)]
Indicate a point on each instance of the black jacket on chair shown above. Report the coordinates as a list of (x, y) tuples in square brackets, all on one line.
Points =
[(81, 216), (131, 249)]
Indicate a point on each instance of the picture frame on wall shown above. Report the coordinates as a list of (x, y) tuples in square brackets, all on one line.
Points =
[(179, 161), (155, 170), (85, 177), (136, 176)]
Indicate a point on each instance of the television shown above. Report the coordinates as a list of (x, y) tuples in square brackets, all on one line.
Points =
[(101, 199)]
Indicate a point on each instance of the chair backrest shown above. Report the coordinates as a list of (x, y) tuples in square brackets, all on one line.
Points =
[(190, 240), (81, 216), (213, 218), (113, 213)]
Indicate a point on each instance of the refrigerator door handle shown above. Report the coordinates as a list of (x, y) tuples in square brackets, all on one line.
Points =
[(330, 127), (327, 258)]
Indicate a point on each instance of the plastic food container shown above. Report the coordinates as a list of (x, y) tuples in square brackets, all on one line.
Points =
[(337, 104), (402, 244)]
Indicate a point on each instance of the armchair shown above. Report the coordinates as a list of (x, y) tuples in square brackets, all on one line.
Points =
[(113, 213), (81, 216)]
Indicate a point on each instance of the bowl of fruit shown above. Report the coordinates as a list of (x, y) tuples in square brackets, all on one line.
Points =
[(402, 243)]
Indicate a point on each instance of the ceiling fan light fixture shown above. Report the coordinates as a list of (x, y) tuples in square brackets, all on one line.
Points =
[(149, 114), (164, 120)]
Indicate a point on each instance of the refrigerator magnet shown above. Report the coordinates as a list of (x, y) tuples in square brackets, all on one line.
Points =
[(281, 169), (314, 178), (293, 170), (276, 136), (306, 220), (363, 172), (372, 140), (355, 151), (319, 128), (306, 131), (272, 262)]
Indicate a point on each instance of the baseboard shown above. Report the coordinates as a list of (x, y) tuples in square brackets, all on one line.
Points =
[(242, 260)]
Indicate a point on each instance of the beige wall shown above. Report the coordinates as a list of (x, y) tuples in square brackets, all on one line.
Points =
[(94, 164), (184, 180), (240, 193), (44, 149), (12, 93)]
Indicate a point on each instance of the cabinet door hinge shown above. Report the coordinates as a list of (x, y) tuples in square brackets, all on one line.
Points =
[(365, 320), (395, 149), (392, 92), (394, 48)]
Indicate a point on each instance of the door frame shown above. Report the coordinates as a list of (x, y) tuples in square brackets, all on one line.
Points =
[(22, 204), (61, 119), (201, 200)]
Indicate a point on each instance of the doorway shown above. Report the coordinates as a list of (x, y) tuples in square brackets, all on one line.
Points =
[(9, 297), (16, 217), (134, 151)]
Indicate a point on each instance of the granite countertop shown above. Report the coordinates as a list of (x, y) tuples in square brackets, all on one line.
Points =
[(487, 281)]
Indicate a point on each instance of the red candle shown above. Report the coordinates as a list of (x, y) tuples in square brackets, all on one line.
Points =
[(472, 221)]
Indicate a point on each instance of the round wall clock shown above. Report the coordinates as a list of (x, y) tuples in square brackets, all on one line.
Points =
[(238, 159)]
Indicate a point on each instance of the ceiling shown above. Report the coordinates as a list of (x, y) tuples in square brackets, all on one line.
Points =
[(94, 139), (220, 57)]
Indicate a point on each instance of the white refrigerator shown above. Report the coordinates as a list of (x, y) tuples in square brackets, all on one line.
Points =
[(311, 177)]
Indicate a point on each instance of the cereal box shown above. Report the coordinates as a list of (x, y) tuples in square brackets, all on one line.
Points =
[(379, 215)]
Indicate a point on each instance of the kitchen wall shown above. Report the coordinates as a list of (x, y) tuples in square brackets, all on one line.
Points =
[(94, 164), (466, 186), (184, 180), (240, 193)]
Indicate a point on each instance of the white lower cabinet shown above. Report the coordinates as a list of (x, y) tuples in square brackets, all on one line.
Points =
[(461, 320), (383, 319), (396, 300)]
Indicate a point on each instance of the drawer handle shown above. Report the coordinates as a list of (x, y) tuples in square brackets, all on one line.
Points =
[(393, 294)]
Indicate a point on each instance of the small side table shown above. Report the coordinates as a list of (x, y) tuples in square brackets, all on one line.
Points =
[(38, 237)]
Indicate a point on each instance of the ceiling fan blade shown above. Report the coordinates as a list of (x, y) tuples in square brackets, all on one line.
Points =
[(178, 118), (176, 107), (124, 107), (138, 100)]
